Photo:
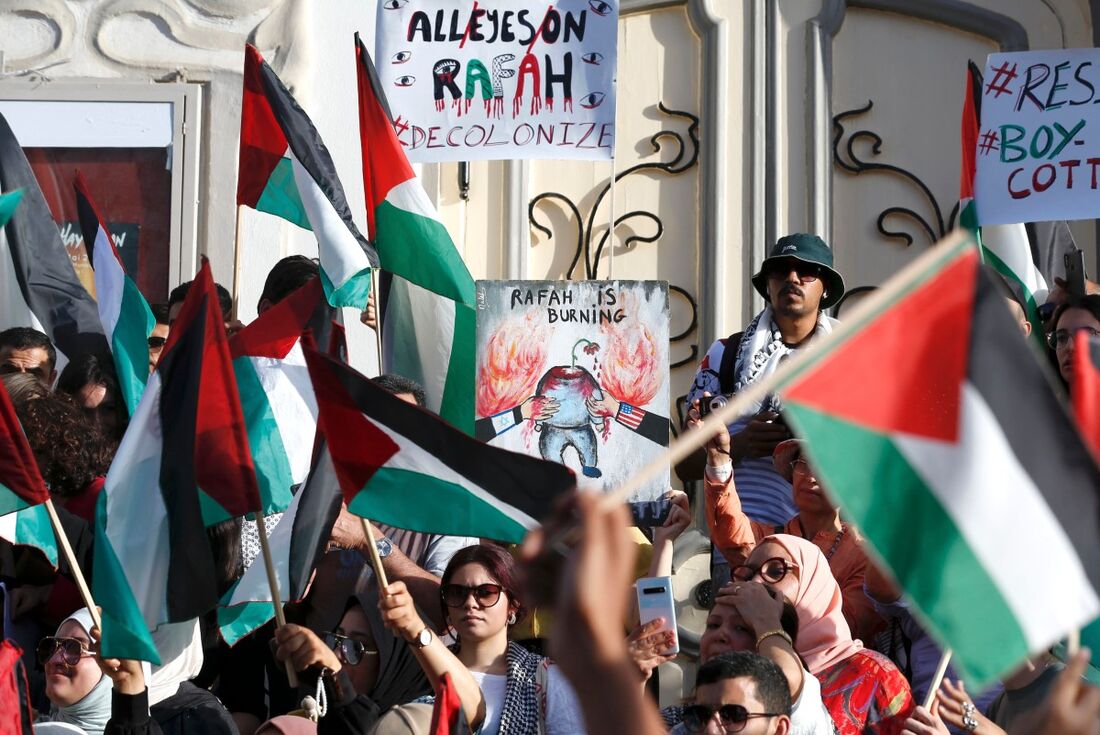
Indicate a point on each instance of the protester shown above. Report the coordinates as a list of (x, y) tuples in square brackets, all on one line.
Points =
[(798, 281), (159, 336), (738, 692), (225, 304), (91, 380), (26, 350), (129, 696), (23, 387), (284, 278), (1072, 708), (1071, 317), (862, 690), (735, 535), (78, 690)]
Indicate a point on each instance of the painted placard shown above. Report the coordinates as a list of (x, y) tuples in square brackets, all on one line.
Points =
[(1038, 148), (576, 372), (499, 79)]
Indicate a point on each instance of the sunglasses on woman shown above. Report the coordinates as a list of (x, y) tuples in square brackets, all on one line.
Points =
[(455, 595), (348, 650), (734, 717), (771, 571), (72, 650)]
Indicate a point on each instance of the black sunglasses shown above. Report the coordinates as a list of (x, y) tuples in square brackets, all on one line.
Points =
[(455, 595), (733, 717), (772, 571), (806, 271), (155, 342), (348, 650), (72, 650)]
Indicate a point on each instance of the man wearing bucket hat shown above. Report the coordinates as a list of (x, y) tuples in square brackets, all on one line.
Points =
[(798, 282)]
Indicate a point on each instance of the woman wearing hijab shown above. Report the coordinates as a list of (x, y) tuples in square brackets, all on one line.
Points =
[(79, 693), (862, 690)]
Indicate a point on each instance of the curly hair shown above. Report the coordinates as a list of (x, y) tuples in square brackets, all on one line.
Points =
[(70, 451)]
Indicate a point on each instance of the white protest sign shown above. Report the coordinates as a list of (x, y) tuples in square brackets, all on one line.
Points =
[(500, 79), (1038, 147)]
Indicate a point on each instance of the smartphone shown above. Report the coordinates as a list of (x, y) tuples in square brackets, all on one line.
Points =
[(650, 513), (655, 601), (1075, 273)]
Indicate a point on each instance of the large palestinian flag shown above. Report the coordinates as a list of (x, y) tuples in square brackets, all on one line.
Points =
[(276, 396), (401, 465), (934, 425), (23, 518), (427, 294), (1005, 247), (153, 562), (286, 170), (38, 286), (124, 314)]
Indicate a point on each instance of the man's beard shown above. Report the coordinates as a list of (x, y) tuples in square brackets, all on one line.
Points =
[(791, 309)]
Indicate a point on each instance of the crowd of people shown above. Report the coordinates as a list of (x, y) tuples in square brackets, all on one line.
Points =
[(805, 634)]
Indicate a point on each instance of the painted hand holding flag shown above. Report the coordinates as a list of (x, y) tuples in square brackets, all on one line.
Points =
[(286, 170), (952, 453), (400, 465), (124, 313), (426, 293), (38, 286), (153, 562)]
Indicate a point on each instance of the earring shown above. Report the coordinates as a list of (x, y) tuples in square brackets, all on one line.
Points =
[(511, 618)]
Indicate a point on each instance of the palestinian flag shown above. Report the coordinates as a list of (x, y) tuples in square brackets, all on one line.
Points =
[(124, 313), (23, 518), (1005, 247), (448, 717), (286, 170), (426, 295), (297, 543), (1085, 391), (952, 452), (153, 563), (38, 286), (276, 396), (402, 466)]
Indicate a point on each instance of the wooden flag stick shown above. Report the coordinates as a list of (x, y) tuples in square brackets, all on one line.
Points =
[(78, 576), (376, 560), (377, 318), (1073, 642), (934, 687), (273, 584)]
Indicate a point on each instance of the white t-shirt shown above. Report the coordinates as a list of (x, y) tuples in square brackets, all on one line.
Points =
[(563, 712)]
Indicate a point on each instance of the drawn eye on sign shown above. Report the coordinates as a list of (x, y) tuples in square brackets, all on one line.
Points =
[(405, 81), (592, 57), (599, 7), (394, 4), (592, 100), (401, 57)]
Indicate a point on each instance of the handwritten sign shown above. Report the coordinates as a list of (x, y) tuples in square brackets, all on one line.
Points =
[(576, 372), (497, 79), (1038, 150)]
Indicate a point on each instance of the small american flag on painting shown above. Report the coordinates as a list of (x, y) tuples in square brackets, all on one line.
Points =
[(630, 415)]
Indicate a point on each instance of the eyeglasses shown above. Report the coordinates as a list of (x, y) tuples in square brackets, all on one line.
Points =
[(801, 464), (455, 595), (72, 650), (772, 571), (807, 272), (348, 650), (1061, 338), (157, 342), (734, 717)]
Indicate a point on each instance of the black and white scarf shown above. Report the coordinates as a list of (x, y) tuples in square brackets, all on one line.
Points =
[(524, 708)]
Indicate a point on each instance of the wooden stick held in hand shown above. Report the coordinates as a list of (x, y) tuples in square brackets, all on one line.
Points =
[(273, 583), (78, 575)]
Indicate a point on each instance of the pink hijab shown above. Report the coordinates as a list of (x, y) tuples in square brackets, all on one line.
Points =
[(824, 637)]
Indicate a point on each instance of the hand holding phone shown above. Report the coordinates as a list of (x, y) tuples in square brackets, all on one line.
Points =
[(655, 601)]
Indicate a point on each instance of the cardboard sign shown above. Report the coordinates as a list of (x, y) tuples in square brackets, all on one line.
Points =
[(497, 79), (576, 372), (1038, 150)]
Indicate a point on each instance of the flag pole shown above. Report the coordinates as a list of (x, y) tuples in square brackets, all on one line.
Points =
[(937, 679), (1073, 642), (377, 318), (237, 258), (273, 583), (78, 575), (376, 560)]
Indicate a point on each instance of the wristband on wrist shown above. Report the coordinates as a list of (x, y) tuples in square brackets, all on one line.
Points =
[(770, 633)]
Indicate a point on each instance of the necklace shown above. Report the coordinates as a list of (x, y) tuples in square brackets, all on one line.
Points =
[(836, 542)]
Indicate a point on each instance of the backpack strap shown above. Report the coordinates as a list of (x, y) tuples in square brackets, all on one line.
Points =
[(727, 377)]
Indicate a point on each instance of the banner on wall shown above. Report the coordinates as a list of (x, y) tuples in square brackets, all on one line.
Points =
[(1038, 147), (576, 372), (497, 79)]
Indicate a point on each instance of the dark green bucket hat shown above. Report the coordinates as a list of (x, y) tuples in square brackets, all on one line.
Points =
[(808, 249)]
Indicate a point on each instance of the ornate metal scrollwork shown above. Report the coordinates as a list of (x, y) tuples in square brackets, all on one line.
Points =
[(687, 156), (936, 229)]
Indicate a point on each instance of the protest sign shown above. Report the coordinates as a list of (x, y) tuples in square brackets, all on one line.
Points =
[(497, 79), (576, 372), (1038, 145)]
